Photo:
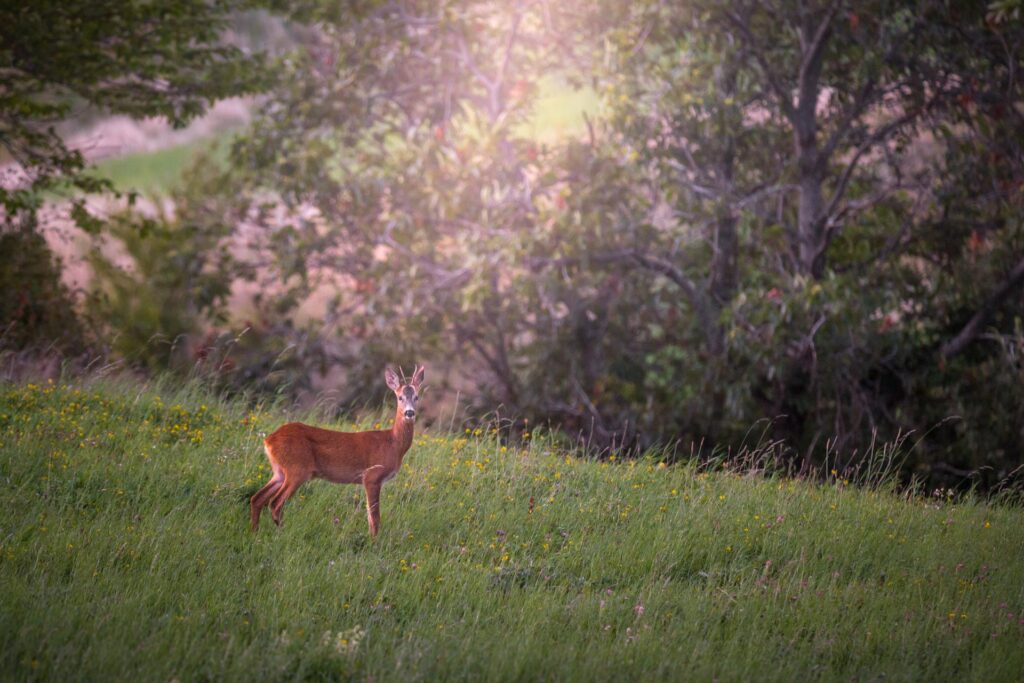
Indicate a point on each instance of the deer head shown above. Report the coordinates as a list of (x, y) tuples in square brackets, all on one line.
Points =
[(406, 391)]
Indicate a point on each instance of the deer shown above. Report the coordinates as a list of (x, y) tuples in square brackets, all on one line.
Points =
[(299, 452)]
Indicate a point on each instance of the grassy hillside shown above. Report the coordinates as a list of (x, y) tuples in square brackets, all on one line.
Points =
[(125, 554), (157, 173)]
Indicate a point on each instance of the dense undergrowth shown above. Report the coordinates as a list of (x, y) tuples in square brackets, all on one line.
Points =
[(125, 555)]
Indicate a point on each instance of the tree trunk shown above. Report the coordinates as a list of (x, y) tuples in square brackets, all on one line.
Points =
[(726, 241), (724, 277), (811, 235)]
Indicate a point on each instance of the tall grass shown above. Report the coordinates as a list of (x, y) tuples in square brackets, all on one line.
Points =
[(125, 554)]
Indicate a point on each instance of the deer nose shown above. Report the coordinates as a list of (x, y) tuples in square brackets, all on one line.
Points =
[(410, 414)]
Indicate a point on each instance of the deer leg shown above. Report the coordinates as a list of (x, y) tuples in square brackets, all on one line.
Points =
[(373, 505), (291, 484), (262, 498)]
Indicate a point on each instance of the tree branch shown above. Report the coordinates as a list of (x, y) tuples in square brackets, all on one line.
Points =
[(974, 326), (501, 370), (699, 300), (784, 97), (878, 136), (810, 66), (857, 107)]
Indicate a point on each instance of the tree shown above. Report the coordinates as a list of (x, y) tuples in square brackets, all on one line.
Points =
[(156, 58), (392, 145), (842, 100), (753, 231)]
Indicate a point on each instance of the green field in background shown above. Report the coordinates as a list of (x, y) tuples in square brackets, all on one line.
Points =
[(157, 173), (559, 111)]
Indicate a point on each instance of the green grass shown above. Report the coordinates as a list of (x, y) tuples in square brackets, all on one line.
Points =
[(157, 173), (125, 555), (559, 111)]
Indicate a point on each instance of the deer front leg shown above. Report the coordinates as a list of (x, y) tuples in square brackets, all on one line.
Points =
[(373, 505)]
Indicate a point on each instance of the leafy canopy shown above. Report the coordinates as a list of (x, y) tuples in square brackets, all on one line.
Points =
[(143, 58)]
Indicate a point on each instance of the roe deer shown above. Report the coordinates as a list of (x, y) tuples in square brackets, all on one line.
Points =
[(298, 452)]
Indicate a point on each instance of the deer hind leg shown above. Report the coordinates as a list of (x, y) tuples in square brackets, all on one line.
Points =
[(262, 499), (291, 484)]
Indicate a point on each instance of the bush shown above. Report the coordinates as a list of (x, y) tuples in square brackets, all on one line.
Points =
[(36, 309)]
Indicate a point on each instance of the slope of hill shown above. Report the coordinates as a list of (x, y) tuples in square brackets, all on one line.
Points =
[(125, 554)]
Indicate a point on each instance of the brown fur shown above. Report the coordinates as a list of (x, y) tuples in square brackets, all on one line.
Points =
[(298, 452)]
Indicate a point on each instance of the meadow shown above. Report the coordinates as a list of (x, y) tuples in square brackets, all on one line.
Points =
[(156, 174), (125, 554)]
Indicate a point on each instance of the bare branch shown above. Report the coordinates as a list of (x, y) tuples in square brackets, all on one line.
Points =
[(698, 298), (895, 242), (974, 326), (813, 53), (785, 98), (697, 189), (852, 113), (444, 278), (503, 73), (492, 362), (876, 137), (760, 192)]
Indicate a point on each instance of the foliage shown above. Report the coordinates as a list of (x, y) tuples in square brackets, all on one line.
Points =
[(694, 264), (58, 58), (154, 286), (161, 58), (493, 562), (808, 216), (36, 309)]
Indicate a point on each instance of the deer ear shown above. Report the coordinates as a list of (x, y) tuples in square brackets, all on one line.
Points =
[(417, 377), (392, 379)]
